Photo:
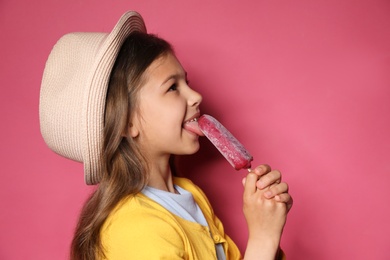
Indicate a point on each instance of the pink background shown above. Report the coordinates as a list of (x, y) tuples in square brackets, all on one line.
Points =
[(303, 84)]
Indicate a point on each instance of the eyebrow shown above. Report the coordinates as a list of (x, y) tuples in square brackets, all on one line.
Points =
[(174, 76)]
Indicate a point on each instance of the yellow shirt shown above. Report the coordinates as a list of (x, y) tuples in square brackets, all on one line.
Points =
[(140, 228)]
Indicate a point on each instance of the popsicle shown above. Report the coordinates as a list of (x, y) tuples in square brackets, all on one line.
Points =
[(234, 152)]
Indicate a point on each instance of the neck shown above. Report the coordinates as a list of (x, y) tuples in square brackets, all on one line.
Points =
[(160, 176)]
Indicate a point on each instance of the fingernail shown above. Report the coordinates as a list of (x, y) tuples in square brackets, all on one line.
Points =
[(268, 194)]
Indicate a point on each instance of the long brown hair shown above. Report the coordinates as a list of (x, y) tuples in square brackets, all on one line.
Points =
[(125, 171)]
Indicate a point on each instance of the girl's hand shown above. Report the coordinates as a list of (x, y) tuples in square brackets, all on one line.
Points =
[(265, 219), (266, 203), (270, 181)]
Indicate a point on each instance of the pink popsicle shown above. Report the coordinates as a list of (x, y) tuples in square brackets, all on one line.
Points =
[(225, 142)]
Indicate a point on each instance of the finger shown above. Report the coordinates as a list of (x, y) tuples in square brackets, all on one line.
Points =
[(285, 198), (250, 184), (268, 179), (276, 189), (262, 169), (290, 204)]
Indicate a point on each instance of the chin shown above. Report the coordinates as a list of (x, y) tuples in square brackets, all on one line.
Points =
[(194, 149)]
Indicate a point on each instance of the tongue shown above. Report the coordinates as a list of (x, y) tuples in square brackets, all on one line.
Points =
[(193, 127)]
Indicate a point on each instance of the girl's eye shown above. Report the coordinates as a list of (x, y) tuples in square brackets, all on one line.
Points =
[(173, 87)]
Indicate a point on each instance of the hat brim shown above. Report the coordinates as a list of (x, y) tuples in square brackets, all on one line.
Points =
[(92, 117)]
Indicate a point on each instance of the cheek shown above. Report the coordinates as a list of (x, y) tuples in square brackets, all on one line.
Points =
[(163, 114), (154, 121), (149, 110)]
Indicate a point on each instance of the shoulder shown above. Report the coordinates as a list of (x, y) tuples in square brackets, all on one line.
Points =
[(136, 224), (138, 212)]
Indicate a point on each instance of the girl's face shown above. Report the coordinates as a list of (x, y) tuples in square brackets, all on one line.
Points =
[(166, 103)]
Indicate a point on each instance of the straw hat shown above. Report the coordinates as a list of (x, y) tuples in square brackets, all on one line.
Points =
[(73, 92)]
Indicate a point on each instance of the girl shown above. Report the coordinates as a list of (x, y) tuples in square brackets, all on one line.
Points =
[(120, 103)]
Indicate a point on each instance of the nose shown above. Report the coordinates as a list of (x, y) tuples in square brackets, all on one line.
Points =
[(194, 98)]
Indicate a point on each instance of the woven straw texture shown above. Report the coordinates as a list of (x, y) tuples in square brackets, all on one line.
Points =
[(73, 92)]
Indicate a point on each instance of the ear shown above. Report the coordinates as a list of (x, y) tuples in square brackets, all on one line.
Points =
[(134, 127), (133, 130)]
